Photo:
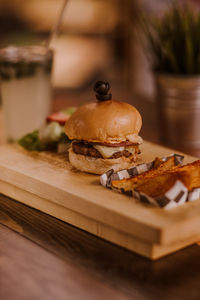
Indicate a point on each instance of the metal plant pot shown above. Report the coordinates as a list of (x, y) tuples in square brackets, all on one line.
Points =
[(178, 102)]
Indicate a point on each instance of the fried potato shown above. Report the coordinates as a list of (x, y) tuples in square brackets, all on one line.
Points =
[(157, 185), (190, 174), (158, 168), (157, 182), (157, 162)]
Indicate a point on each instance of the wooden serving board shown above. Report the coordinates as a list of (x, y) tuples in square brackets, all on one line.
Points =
[(47, 182)]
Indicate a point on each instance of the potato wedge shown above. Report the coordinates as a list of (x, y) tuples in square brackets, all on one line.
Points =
[(159, 184), (159, 167), (158, 181)]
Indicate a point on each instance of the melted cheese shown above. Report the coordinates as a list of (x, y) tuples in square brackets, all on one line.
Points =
[(107, 152), (134, 138)]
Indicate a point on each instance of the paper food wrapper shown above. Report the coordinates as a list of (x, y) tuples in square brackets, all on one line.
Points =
[(174, 197)]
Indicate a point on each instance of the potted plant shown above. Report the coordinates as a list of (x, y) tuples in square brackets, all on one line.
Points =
[(174, 42)]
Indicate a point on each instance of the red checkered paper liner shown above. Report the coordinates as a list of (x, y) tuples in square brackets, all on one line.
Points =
[(177, 195)]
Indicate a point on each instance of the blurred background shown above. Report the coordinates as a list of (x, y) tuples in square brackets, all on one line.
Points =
[(98, 39)]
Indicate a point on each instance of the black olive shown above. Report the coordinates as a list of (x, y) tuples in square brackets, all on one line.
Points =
[(101, 88)]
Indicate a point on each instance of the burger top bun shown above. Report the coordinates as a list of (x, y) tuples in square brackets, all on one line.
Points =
[(105, 121)]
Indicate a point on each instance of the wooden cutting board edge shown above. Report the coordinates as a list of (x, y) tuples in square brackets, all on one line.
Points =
[(150, 233), (149, 250)]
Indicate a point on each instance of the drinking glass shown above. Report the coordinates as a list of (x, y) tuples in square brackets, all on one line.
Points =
[(25, 74)]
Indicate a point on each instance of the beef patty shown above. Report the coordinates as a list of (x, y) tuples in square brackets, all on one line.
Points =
[(87, 149)]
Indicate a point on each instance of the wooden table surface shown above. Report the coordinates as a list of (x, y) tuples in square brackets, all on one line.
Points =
[(44, 258)]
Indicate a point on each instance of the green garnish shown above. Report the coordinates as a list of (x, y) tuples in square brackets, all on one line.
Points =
[(69, 111), (31, 142), (47, 137), (64, 139)]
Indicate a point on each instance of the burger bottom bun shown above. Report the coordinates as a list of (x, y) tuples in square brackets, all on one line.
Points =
[(100, 165)]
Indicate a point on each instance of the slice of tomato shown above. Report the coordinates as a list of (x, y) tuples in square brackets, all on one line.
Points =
[(58, 117)]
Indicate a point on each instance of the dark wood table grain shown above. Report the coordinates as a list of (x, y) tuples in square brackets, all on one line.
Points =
[(42, 257)]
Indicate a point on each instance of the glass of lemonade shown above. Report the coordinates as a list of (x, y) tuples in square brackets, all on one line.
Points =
[(25, 74)]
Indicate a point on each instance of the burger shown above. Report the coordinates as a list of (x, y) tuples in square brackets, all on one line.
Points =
[(104, 134)]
